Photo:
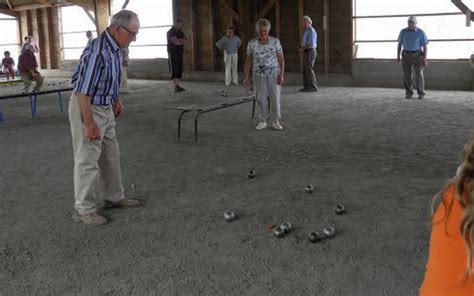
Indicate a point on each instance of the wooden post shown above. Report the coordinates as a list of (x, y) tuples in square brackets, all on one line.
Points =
[(212, 34), (23, 23), (54, 23), (277, 19), (194, 52), (326, 37), (300, 30), (102, 17), (43, 38), (36, 34)]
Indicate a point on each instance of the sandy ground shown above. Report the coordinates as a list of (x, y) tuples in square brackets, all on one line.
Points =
[(380, 155)]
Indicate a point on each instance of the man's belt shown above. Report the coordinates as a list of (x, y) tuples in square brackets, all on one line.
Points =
[(412, 51)]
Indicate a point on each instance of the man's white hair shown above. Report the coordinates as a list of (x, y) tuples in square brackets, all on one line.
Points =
[(123, 18), (413, 19), (308, 19), (263, 23)]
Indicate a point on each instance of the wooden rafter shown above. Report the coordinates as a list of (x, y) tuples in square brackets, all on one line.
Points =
[(7, 11), (89, 14), (9, 5), (125, 4), (234, 14), (266, 9), (459, 4), (32, 6)]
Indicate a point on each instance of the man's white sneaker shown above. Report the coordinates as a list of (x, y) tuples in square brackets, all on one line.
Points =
[(277, 126), (261, 125)]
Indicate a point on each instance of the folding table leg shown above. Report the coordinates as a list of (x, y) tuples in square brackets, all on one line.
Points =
[(1, 115), (61, 102), (32, 108)]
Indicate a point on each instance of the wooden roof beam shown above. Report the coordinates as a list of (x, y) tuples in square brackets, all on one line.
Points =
[(266, 9), (234, 14), (459, 4)]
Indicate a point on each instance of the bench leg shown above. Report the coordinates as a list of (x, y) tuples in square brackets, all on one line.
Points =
[(179, 122), (1, 115), (61, 108), (253, 108), (196, 128), (33, 106)]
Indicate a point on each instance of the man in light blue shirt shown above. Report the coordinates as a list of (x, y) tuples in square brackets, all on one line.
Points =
[(414, 43), (309, 44)]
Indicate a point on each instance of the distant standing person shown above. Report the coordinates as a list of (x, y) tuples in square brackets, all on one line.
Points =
[(26, 41), (265, 57), (176, 41), (309, 44), (89, 37), (124, 80), (28, 68), (230, 44), (7, 65), (413, 57)]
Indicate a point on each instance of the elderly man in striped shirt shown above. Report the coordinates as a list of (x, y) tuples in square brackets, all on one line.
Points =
[(92, 111)]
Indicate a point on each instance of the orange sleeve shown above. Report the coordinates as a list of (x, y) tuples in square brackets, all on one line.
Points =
[(446, 266)]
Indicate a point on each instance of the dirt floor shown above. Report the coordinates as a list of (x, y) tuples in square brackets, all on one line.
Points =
[(379, 154)]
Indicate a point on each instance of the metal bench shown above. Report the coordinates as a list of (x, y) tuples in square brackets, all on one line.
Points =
[(33, 98), (198, 111)]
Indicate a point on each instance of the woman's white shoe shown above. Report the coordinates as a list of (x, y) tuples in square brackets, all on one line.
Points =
[(261, 125)]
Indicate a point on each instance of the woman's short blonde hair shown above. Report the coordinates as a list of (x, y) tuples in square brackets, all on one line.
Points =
[(263, 23)]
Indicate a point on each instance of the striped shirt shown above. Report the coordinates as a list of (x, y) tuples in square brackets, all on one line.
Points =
[(98, 73)]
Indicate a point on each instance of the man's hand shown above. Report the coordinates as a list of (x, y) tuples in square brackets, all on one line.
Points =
[(424, 63), (398, 59), (118, 108), (280, 80), (300, 49), (92, 131)]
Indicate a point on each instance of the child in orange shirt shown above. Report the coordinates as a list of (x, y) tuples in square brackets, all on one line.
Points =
[(450, 269)]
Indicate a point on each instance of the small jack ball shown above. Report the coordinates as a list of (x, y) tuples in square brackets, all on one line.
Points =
[(329, 231), (340, 209), (314, 237), (133, 186), (309, 188), (229, 216), (252, 174), (278, 232), (286, 227)]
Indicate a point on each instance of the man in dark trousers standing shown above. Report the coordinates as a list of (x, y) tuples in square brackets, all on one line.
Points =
[(309, 43), (176, 43)]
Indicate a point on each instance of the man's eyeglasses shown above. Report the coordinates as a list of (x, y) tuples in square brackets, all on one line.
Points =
[(134, 34)]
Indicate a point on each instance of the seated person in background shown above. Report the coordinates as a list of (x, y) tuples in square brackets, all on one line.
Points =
[(27, 66), (7, 65), (450, 267)]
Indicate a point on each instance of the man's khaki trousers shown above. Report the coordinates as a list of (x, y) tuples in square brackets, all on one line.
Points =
[(97, 175)]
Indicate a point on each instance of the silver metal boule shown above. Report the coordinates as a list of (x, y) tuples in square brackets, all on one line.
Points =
[(329, 231), (339, 209), (309, 188), (287, 227), (314, 237), (278, 232), (229, 216), (252, 174)]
